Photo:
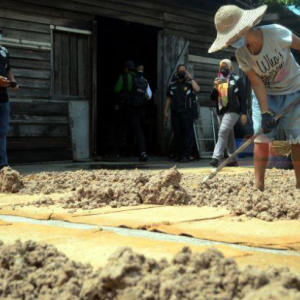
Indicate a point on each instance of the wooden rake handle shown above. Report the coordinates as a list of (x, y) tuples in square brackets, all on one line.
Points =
[(249, 142)]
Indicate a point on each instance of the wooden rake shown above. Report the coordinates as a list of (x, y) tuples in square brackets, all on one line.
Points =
[(248, 142)]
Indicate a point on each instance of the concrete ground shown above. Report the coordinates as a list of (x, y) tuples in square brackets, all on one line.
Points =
[(248, 241), (154, 163)]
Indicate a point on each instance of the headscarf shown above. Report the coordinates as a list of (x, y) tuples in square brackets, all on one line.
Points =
[(223, 87), (229, 64)]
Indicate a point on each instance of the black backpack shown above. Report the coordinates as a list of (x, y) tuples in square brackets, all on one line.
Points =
[(123, 98), (139, 91)]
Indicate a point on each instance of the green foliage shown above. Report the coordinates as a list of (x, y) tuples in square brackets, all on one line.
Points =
[(296, 3)]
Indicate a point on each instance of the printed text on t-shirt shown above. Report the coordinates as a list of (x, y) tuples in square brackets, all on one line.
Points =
[(271, 68)]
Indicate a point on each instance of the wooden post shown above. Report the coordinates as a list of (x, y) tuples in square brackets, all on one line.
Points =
[(79, 113), (175, 52), (94, 91)]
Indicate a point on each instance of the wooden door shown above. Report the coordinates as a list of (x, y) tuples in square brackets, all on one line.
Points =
[(172, 51), (71, 82), (71, 65)]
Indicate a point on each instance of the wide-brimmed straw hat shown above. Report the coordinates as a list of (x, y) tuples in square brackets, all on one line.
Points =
[(231, 21)]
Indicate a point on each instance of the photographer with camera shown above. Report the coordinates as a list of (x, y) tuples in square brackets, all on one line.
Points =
[(7, 80), (182, 99), (229, 96)]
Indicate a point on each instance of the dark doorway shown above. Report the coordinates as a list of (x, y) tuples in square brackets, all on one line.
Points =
[(119, 41)]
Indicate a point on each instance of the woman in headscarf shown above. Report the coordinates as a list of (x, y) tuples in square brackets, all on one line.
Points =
[(264, 54), (230, 97)]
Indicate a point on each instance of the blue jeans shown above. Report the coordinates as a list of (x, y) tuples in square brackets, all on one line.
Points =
[(4, 124)]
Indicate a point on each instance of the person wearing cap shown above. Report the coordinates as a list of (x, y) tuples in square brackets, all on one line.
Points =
[(230, 98), (129, 90), (264, 54), (140, 71), (125, 81)]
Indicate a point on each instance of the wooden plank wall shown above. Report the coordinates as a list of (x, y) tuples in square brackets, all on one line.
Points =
[(39, 127), (205, 71), (194, 22), (71, 65), (28, 22)]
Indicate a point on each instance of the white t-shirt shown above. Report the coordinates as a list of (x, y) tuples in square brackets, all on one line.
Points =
[(275, 64)]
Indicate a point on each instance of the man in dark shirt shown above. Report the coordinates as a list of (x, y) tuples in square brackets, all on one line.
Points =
[(7, 79), (131, 91), (181, 97)]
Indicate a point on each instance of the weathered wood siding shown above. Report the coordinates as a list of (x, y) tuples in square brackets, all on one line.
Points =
[(27, 35), (39, 118)]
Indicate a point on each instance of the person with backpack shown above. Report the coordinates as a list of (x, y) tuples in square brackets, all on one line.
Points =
[(182, 99), (131, 92), (140, 69)]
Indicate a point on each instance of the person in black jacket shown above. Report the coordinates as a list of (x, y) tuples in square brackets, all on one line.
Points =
[(181, 97), (230, 97)]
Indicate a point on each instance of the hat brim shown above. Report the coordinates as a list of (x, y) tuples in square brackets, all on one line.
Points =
[(249, 19)]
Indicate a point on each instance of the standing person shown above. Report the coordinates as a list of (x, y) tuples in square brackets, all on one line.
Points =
[(123, 91), (264, 54), (7, 79), (140, 69), (181, 97), (230, 97), (131, 90)]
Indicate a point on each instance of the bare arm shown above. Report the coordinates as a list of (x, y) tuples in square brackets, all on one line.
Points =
[(195, 85), (11, 78), (259, 90), (295, 42), (10, 75), (4, 82), (168, 103)]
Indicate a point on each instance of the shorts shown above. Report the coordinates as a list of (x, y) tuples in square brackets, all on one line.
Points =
[(290, 122)]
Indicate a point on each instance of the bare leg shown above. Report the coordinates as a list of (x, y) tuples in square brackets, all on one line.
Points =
[(296, 163), (261, 156)]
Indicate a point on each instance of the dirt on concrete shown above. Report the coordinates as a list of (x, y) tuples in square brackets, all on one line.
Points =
[(32, 271), (129, 189), (279, 201), (10, 181), (90, 190), (116, 189), (164, 188)]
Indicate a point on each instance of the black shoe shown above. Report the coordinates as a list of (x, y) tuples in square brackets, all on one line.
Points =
[(184, 160), (233, 164), (171, 156), (194, 158), (214, 163), (143, 157), (112, 157)]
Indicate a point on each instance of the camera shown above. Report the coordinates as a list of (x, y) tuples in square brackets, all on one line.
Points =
[(222, 80), (13, 84)]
